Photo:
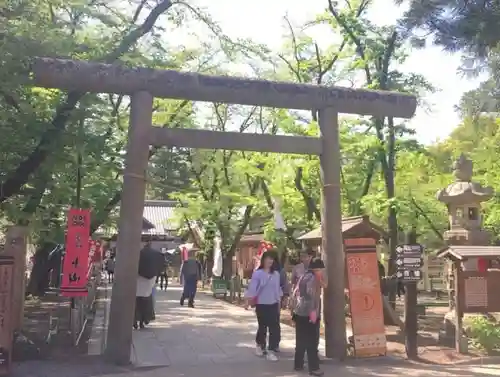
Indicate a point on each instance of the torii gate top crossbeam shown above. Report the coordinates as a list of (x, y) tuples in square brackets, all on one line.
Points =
[(105, 78)]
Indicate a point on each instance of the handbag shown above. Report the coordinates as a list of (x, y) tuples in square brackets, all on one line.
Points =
[(254, 300), (292, 301)]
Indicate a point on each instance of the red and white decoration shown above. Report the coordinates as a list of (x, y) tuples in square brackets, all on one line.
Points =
[(263, 247)]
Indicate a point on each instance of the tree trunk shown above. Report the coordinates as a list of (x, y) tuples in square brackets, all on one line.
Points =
[(39, 277), (102, 215), (227, 267), (312, 209)]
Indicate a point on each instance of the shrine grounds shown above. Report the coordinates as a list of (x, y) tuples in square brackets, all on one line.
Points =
[(216, 338)]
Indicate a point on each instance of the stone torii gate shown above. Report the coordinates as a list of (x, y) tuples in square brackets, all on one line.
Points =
[(142, 84)]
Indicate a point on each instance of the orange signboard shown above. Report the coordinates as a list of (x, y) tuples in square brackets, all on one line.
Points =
[(367, 314)]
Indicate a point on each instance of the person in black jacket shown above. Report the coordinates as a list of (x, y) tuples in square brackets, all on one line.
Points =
[(162, 278), (190, 274)]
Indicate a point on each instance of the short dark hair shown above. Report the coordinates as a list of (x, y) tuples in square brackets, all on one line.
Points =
[(267, 254), (316, 263), (309, 251)]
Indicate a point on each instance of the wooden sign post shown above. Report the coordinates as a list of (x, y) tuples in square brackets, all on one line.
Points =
[(411, 258), (365, 297), (16, 247), (6, 311)]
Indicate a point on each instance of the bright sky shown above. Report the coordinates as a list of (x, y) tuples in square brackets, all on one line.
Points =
[(262, 21)]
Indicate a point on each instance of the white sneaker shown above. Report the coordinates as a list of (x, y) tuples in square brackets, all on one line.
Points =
[(271, 356), (259, 351)]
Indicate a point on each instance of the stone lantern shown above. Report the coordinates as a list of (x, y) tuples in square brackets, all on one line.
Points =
[(463, 199)]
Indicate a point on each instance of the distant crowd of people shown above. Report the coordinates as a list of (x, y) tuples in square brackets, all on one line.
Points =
[(153, 270)]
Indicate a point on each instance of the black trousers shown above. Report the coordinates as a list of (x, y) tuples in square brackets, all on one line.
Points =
[(306, 340), (144, 309), (279, 327), (268, 318), (163, 280)]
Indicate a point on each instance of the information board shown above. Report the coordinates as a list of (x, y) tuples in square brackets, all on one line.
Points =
[(409, 262), (478, 291)]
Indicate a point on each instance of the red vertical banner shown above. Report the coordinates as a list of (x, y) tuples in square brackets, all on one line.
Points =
[(76, 260), (365, 297)]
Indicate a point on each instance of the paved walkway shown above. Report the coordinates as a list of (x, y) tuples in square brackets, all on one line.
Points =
[(216, 339), (213, 332)]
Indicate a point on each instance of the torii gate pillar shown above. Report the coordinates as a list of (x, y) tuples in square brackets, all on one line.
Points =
[(129, 239)]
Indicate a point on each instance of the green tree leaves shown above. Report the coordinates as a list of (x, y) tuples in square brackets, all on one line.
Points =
[(386, 173)]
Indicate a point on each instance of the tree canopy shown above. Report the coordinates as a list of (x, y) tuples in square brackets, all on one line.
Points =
[(457, 25), (64, 149)]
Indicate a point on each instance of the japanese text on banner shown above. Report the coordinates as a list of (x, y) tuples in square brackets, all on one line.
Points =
[(76, 260)]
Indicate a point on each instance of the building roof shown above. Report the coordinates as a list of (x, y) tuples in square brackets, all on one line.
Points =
[(460, 253), (160, 214), (158, 219), (349, 225)]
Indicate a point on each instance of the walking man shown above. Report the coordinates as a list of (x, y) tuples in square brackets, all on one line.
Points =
[(190, 274), (162, 278), (110, 269)]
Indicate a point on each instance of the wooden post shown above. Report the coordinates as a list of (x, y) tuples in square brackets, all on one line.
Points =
[(332, 246), (427, 282), (411, 317), (16, 247), (6, 312), (121, 318), (459, 347)]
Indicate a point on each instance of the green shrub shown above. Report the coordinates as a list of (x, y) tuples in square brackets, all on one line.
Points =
[(484, 333)]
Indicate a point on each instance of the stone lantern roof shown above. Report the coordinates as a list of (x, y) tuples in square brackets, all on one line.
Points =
[(464, 190)]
